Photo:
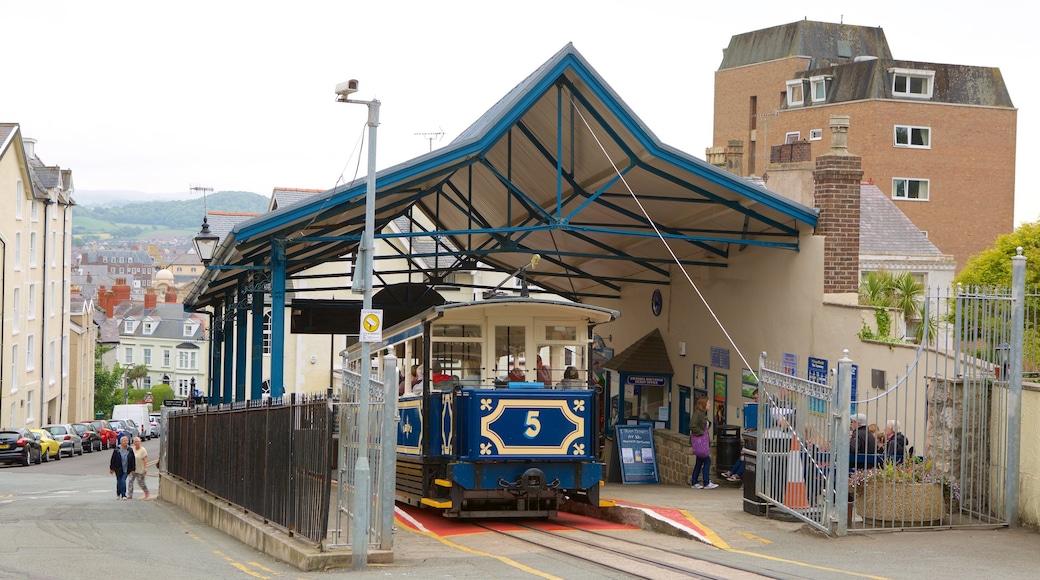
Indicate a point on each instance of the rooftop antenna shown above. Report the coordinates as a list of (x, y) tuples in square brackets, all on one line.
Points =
[(432, 136), (203, 190)]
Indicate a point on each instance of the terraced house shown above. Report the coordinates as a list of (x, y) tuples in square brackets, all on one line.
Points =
[(35, 251)]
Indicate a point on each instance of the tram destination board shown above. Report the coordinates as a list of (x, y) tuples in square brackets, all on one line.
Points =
[(637, 454)]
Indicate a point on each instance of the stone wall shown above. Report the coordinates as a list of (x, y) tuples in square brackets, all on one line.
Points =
[(674, 457)]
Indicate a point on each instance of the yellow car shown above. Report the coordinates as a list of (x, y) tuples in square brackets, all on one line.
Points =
[(51, 447)]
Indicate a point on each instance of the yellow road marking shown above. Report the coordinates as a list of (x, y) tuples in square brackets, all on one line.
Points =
[(503, 559), (722, 545), (258, 565), (712, 537), (814, 566), (241, 567), (193, 536), (755, 538)]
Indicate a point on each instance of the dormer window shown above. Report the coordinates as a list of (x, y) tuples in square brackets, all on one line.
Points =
[(189, 329), (128, 326), (912, 83), (149, 326), (795, 93), (818, 88)]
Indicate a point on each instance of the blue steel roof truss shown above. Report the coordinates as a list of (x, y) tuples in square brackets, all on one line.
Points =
[(481, 204)]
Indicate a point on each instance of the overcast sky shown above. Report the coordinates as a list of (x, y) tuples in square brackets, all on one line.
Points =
[(155, 97)]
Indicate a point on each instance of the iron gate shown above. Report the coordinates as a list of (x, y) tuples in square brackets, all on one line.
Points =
[(940, 438)]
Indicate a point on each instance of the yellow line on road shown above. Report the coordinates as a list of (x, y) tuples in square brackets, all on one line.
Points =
[(755, 538), (503, 559), (807, 565), (241, 567)]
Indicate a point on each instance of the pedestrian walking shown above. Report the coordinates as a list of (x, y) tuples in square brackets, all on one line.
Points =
[(137, 475), (122, 463)]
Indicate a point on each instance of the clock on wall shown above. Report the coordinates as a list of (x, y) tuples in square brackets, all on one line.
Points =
[(656, 302)]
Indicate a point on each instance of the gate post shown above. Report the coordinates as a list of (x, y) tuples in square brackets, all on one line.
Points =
[(388, 454), (1014, 403), (842, 402)]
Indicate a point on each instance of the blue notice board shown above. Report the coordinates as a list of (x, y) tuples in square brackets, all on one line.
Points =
[(637, 454)]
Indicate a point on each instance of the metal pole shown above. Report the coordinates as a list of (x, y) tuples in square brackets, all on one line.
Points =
[(839, 524), (388, 457), (1014, 403), (362, 472)]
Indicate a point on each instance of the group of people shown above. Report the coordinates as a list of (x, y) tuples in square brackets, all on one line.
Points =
[(130, 466), (865, 438)]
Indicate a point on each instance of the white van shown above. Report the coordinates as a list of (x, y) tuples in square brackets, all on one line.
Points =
[(136, 413)]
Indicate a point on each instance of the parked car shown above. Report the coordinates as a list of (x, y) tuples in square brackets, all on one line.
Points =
[(20, 446), (136, 415), (108, 436), (49, 446), (91, 438), (153, 427), (122, 428), (71, 443)]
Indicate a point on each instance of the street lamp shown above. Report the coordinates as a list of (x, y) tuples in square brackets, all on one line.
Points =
[(206, 243), (362, 472)]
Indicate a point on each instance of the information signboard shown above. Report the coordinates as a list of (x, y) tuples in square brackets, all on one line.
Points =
[(637, 454)]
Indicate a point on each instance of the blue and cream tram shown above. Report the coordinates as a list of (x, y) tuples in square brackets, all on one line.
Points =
[(501, 416)]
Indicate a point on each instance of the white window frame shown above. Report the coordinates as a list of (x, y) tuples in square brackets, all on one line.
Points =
[(34, 211), (30, 355), (54, 246), (32, 249), (18, 251), (128, 355), (906, 186), (51, 358), (147, 356), (54, 293), (29, 406), (17, 310), (795, 86), (166, 358), (189, 329), (30, 308), (187, 359), (19, 199), (148, 328), (14, 369), (267, 344), (792, 137), (128, 326), (815, 134), (928, 76), (910, 130), (816, 85), (147, 381)]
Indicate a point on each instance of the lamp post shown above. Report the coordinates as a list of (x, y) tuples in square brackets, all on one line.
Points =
[(362, 471)]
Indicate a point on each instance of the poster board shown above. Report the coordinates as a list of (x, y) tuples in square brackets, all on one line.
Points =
[(636, 454)]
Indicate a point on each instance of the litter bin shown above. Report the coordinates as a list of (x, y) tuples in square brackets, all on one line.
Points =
[(727, 447), (752, 504)]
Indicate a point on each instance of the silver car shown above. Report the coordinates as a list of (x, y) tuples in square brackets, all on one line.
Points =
[(71, 442)]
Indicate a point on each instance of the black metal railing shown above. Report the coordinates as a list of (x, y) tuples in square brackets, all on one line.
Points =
[(272, 458)]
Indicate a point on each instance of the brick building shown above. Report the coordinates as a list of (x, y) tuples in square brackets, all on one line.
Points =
[(939, 139)]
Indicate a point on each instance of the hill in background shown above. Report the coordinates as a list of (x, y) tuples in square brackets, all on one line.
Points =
[(151, 219)]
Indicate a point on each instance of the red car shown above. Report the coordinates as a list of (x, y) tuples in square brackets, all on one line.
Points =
[(108, 436)]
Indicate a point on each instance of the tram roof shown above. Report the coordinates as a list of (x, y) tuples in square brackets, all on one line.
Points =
[(547, 170)]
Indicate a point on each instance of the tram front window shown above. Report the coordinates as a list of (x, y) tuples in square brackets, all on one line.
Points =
[(511, 353)]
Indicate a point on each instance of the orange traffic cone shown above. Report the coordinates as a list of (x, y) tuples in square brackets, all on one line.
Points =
[(795, 494)]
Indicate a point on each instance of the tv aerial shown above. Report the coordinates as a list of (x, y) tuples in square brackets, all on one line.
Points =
[(432, 136)]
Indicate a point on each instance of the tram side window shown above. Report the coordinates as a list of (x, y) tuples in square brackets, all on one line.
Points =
[(561, 355), (456, 353), (510, 353)]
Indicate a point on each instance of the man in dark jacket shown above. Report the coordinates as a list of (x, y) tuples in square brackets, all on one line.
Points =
[(122, 464), (896, 444), (861, 440)]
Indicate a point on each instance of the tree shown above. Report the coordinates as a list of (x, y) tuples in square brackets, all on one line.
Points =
[(992, 266), (107, 384), (136, 373), (883, 291)]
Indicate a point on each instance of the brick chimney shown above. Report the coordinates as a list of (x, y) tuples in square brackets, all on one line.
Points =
[(122, 290), (150, 299), (837, 196), (171, 296), (108, 302)]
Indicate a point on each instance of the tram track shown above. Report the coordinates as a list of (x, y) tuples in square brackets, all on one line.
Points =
[(615, 554)]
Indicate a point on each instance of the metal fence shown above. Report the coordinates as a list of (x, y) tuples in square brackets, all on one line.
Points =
[(938, 437), (270, 457), (379, 445)]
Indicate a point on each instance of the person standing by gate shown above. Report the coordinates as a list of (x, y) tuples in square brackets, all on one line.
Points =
[(700, 440), (121, 464), (141, 462)]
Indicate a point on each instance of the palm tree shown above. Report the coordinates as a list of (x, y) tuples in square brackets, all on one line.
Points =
[(883, 290)]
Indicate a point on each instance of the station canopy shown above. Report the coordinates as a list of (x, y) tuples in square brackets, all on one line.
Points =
[(559, 167)]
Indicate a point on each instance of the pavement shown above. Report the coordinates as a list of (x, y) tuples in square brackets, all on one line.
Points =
[(786, 549)]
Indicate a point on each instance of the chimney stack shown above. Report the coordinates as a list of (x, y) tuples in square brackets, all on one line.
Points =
[(150, 299), (837, 195)]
